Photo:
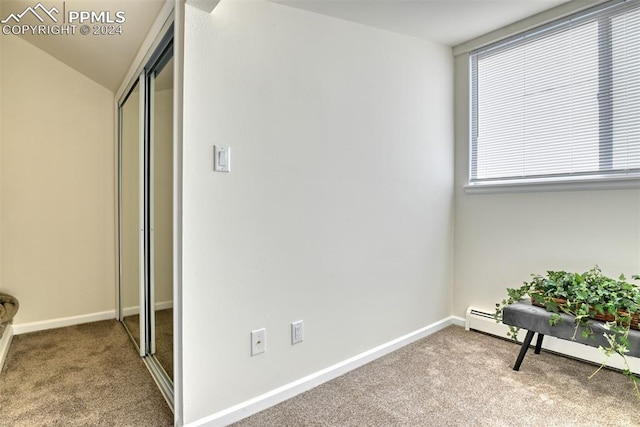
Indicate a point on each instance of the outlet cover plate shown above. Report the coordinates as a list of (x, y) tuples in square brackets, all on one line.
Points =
[(258, 341), (297, 332)]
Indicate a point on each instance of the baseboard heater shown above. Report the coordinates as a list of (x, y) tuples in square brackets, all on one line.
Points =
[(481, 320)]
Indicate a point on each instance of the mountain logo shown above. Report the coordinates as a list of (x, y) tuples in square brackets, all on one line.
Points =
[(34, 11)]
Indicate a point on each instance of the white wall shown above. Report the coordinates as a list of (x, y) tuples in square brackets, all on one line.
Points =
[(1, 133), (57, 222), (338, 207), (501, 239)]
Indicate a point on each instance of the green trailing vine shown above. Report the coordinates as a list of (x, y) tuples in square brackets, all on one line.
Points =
[(586, 296)]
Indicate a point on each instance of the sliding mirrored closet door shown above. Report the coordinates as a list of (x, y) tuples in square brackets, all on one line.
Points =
[(146, 215), (161, 89), (131, 208)]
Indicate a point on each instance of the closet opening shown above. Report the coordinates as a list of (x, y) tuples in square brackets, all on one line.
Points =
[(145, 217)]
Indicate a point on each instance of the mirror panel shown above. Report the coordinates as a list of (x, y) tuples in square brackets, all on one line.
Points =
[(130, 213), (146, 215), (162, 110)]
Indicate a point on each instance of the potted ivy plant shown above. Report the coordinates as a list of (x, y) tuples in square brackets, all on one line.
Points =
[(588, 297)]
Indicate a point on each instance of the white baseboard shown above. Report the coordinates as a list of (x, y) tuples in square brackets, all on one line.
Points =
[(62, 322), (458, 321), (131, 311), (5, 342), (163, 305), (253, 406)]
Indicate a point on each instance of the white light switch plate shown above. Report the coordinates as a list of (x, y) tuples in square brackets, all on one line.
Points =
[(221, 158)]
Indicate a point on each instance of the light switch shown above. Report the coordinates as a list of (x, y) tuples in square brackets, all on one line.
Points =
[(221, 158)]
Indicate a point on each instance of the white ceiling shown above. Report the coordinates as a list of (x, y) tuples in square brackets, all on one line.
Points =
[(106, 59), (448, 22), (103, 58)]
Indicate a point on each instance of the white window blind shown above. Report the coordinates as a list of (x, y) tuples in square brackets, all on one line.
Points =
[(560, 102)]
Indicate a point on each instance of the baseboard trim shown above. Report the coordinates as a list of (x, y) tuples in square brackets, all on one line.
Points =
[(5, 342), (458, 321), (25, 328), (260, 403), (132, 311)]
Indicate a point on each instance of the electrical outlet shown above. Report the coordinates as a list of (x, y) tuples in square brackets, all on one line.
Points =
[(297, 332), (258, 341)]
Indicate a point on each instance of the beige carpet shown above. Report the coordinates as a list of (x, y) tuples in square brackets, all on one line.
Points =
[(86, 375), (460, 378), (164, 340), (164, 337), (90, 375)]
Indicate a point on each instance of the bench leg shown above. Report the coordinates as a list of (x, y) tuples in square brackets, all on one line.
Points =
[(539, 343), (523, 350)]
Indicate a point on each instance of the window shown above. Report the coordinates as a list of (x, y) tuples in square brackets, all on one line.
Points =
[(559, 103)]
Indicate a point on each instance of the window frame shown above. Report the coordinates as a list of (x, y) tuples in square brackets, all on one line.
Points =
[(606, 178)]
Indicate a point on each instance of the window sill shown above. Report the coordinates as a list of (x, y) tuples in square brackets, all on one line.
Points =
[(591, 184)]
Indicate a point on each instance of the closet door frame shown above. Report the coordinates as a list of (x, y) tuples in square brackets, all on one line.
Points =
[(163, 55), (138, 84), (145, 81)]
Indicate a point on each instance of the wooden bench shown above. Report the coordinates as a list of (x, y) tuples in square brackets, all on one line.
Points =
[(536, 320)]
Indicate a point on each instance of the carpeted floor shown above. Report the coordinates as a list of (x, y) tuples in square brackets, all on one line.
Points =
[(164, 340), (460, 378), (90, 375), (86, 375), (164, 337)]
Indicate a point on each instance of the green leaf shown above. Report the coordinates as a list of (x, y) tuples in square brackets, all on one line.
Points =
[(585, 294), (582, 294), (624, 341)]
